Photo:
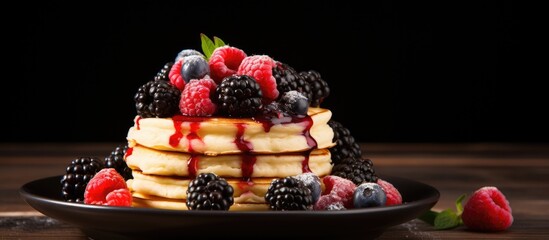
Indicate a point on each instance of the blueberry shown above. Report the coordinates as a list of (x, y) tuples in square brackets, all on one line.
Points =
[(311, 181), (369, 195), (186, 53), (194, 67), (295, 103)]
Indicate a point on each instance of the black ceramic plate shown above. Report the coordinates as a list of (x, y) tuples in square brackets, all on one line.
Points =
[(104, 222)]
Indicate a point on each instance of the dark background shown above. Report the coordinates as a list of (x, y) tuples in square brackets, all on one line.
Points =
[(399, 72)]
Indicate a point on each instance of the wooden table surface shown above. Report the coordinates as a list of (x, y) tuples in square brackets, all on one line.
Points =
[(520, 171)]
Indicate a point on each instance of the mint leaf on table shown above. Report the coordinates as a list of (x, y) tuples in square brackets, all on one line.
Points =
[(446, 219)]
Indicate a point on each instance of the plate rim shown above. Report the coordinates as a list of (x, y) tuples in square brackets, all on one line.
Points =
[(431, 199)]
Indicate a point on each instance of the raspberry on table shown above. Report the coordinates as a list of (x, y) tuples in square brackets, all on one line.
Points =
[(393, 195), (260, 67), (108, 187), (196, 98), (487, 210), (336, 190), (209, 192), (225, 62)]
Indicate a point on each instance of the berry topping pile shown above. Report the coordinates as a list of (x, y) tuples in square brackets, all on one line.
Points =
[(209, 192), (242, 86)]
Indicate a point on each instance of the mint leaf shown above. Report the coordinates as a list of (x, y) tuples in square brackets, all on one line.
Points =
[(429, 217), (218, 42), (459, 204), (447, 219), (208, 45)]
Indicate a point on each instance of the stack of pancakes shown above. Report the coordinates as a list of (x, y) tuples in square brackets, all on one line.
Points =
[(165, 154)]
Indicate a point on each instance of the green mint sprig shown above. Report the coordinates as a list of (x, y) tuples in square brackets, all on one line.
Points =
[(208, 46), (446, 219)]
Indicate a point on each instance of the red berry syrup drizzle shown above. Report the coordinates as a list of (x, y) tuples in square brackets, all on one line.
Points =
[(248, 159), (129, 152), (175, 138), (305, 163), (137, 125), (268, 123)]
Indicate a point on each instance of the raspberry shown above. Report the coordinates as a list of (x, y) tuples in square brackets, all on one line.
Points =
[(487, 210), (337, 190), (108, 187), (195, 98), (175, 75), (260, 67), (393, 195), (224, 62)]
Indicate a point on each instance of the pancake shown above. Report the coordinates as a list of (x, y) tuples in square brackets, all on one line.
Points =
[(215, 136), (252, 191), (140, 200), (166, 163)]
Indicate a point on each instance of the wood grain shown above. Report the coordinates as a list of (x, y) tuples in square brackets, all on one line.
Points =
[(520, 171)]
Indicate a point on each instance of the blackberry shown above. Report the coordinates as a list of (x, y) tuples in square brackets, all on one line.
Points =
[(287, 79), (78, 173), (345, 147), (157, 99), (288, 194), (116, 161), (319, 87), (209, 192), (238, 96), (358, 170), (162, 75)]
